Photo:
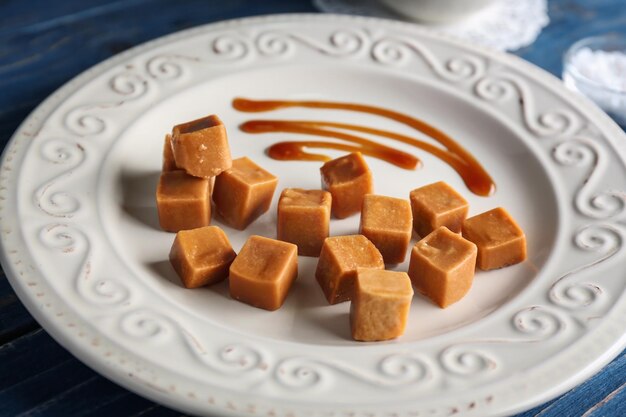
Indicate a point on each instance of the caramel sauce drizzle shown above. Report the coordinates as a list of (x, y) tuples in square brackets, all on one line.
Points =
[(473, 174), (296, 148)]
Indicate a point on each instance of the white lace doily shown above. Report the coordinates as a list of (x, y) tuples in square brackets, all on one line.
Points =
[(506, 25)]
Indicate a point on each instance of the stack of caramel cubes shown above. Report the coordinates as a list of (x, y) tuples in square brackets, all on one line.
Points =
[(197, 168)]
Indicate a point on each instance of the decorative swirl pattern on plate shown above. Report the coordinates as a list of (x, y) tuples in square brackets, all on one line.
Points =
[(344, 43), (538, 322), (82, 122), (495, 89), (129, 85), (87, 120), (71, 241), (570, 294), (463, 360), (142, 324), (168, 67), (401, 369), (230, 47), (340, 43), (468, 360), (153, 327), (240, 357), (502, 87), (404, 368), (397, 51), (59, 152), (580, 153), (301, 373), (275, 43)]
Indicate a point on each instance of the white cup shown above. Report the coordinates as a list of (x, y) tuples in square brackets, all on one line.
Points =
[(436, 11)]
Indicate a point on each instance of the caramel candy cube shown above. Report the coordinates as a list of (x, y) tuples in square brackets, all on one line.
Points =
[(201, 256), (263, 272), (442, 266), (501, 242), (339, 260), (437, 205), (168, 155), (348, 179), (183, 201), (200, 147), (387, 222), (380, 306), (304, 219), (244, 192)]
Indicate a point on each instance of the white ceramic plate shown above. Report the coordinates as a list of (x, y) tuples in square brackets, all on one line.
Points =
[(81, 246)]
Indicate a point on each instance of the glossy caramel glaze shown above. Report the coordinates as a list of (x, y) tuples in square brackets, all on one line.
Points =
[(473, 174), (294, 149)]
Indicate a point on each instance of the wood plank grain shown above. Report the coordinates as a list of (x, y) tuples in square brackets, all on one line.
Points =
[(592, 393), (613, 404), (15, 321), (38, 377), (37, 14), (26, 357), (19, 14), (129, 404), (132, 405), (48, 386)]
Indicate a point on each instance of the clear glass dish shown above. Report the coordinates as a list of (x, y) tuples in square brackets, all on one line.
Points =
[(596, 67)]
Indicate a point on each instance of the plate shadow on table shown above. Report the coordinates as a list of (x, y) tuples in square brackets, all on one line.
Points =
[(138, 196)]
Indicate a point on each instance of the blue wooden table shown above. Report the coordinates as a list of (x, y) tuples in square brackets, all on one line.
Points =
[(45, 43)]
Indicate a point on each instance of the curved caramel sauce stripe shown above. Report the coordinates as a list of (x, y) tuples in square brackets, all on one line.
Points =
[(293, 148), (473, 174)]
